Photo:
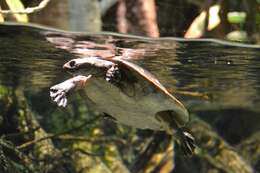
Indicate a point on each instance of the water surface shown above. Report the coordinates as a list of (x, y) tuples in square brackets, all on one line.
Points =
[(203, 74)]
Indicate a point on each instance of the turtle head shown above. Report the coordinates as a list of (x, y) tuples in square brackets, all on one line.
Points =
[(86, 66)]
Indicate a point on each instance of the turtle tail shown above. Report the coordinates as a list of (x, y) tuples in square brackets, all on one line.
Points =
[(187, 142)]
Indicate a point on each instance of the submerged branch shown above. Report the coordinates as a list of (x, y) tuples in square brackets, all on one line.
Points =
[(106, 139), (154, 157), (26, 160), (216, 151), (27, 144), (250, 149)]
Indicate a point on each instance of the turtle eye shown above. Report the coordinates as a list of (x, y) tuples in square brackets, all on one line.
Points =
[(72, 64)]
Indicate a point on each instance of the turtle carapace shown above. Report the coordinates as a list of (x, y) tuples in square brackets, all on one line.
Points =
[(128, 93)]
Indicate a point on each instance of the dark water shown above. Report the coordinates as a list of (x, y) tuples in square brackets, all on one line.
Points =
[(212, 78)]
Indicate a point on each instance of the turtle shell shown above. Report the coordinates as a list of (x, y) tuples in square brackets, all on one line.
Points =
[(178, 111)]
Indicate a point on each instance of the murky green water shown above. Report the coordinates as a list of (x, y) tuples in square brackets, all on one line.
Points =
[(219, 82)]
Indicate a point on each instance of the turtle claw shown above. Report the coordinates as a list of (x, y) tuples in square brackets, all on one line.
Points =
[(113, 74), (63, 102), (58, 95), (187, 142)]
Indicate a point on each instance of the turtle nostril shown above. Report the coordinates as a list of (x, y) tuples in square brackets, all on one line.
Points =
[(72, 63), (53, 90)]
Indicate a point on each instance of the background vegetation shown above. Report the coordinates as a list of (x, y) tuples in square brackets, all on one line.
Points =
[(233, 20)]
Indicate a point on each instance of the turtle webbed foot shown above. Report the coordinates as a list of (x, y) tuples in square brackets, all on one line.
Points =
[(58, 95), (59, 92), (113, 74), (187, 142)]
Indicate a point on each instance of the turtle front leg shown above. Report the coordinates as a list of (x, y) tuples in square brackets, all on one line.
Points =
[(113, 74), (59, 92)]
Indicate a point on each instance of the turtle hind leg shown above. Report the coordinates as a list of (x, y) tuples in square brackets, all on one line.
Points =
[(187, 142)]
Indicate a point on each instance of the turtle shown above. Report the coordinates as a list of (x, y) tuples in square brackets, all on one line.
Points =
[(126, 92)]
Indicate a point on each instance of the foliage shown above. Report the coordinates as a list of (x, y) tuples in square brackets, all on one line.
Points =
[(230, 20), (16, 5), (236, 17)]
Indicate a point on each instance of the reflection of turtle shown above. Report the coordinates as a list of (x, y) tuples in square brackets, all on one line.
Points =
[(128, 93)]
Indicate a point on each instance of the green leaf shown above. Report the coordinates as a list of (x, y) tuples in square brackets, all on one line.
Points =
[(236, 17), (17, 5)]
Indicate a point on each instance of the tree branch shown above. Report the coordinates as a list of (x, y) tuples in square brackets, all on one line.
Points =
[(28, 10), (57, 134)]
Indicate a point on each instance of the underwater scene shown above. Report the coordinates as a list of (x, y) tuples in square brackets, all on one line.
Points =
[(216, 82)]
